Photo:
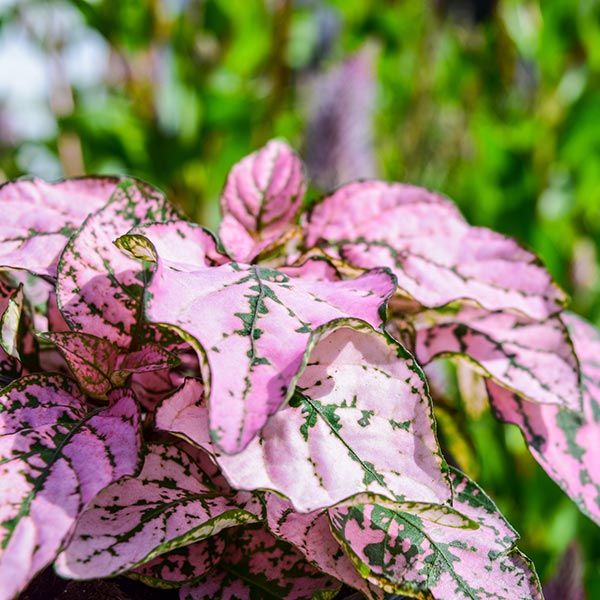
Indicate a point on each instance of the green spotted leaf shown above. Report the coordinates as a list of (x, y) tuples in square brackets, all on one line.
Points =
[(258, 566), (253, 339), (425, 550), (565, 442), (170, 504), (55, 455), (359, 421), (100, 366)]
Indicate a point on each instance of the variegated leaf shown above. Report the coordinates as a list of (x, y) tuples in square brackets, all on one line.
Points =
[(99, 288), (169, 505), (11, 306), (436, 256), (360, 421), (257, 565), (55, 456), (532, 358), (185, 565), (255, 335), (453, 555), (311, 534), (261, 199), (99, 365), (566, 443), (38, 218)]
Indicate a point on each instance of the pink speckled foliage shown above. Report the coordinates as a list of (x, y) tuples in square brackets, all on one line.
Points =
[(246, 415)]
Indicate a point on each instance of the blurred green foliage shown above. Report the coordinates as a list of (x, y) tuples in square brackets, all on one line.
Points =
[(498, 109)]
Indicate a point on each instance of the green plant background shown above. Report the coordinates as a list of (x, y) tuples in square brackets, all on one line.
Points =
[(499, 109)]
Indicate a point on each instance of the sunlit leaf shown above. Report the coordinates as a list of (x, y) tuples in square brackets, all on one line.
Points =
[(533, 358), (565, 442), (436, 256), (261, 198), (99, 288), (360, 421), (55, 456), (415, 549), (38, 218), (169, 505), (255, 335)]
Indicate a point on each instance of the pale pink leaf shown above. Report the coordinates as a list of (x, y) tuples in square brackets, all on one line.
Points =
[(359, 421), (99, 365), (55, 456), (255, 562), (261, 199), (169, 505), (38, 219), (532, 358), (256, 333), (11, 306), (99, 288), (184, 565), (462, 553), (311, 534), (435, 254), (565, 442)]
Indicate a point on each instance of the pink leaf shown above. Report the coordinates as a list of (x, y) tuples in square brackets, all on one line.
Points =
[(533, 358), (360, 421), (38, 218), (311, 534), (436, 256), (184, 565), (566, 443), (455, 555), (261, 199), (255, 562), (255, 335), (99, 288), (169, 505), (55, 456), (99, 365)]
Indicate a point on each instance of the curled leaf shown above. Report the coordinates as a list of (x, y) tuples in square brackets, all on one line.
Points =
[(261, 199), (99, 365), (38, 218), (532, 358), (168, 505), (184, 565), (360, 421), (565, 442), (311, 534), (99, 288), (55, 456), (466, 552), (254, 563), (435, 254), (255, 336)]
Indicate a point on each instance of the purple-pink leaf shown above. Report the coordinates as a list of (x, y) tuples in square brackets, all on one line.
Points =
[(38, 218), (261, 199), (99, 288), (55, 456), (454, 555), (311, 534), (435, 254), (359, 421), (532, 358), (255, 336), (99, 365), (183, 565), (255, 562), (566, 443), (169, 505)]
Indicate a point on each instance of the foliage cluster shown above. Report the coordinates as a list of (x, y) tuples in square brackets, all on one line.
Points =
[(250, 415)]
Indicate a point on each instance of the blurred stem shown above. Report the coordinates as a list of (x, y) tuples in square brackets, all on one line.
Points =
[(280, 70)]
